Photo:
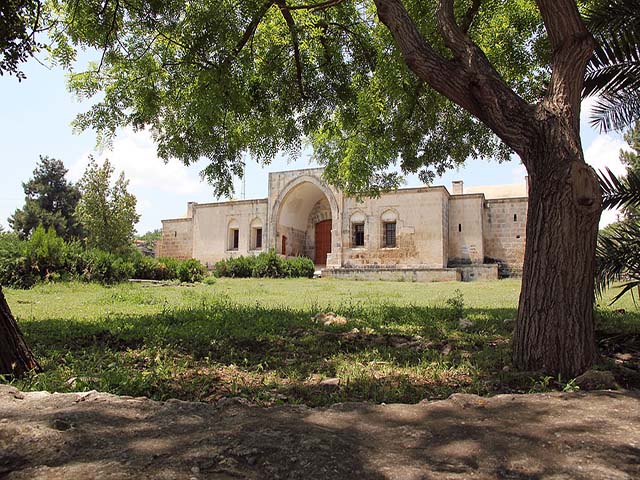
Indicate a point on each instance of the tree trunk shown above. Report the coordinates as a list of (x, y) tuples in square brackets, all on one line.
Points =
[(15, 356), (555, 326)]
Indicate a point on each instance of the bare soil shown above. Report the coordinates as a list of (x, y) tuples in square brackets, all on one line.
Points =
[(594, 435)]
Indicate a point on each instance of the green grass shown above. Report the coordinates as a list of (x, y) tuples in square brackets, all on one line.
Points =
[(256, 338)]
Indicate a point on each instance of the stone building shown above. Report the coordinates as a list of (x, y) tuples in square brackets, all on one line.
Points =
[(417, 234)]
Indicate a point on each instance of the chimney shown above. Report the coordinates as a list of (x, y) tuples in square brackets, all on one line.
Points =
[(190, 208), (457, 188)]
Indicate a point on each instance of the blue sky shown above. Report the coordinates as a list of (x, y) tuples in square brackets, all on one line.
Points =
[(36, 120)]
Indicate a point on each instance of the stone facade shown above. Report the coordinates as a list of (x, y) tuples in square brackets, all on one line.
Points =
[(420, 234)]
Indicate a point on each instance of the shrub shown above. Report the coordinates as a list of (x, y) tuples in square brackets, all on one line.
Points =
[(46, 252), (99, 267), (300, 267), (121, 270), (167, 268), (191, 271), (241, 267), (268, 264), (15, 269), (221, 268), (146, 268), (209, 280)]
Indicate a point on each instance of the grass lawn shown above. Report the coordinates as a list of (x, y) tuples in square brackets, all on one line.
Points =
[(256, 338)]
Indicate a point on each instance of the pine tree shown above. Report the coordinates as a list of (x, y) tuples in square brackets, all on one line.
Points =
[(50, 201)]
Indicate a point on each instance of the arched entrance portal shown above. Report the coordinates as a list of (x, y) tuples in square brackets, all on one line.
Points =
[(304, 222)]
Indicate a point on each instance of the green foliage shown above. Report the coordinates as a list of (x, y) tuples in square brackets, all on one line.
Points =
[(104, 267), (264, 265), (456, 303), (47, 251), (107, 213), (151, 235), (300, 267), (191, 271), (218, 80), (202, 343), (614, 70), (47, 257), (269, 264), (19, 19), (50, 201), (618, 250)]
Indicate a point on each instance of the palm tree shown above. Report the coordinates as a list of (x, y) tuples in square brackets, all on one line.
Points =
[(618, 250), (613, 73)]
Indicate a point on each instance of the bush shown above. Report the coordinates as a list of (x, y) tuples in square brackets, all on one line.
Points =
[(269, 264), (266, 264), (15, 270), (300, 267), (167, 268), (191, 271), (46, 252), (99, 267), (146, 268)]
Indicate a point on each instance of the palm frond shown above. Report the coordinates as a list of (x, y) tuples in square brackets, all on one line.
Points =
[(615, 111), (613, 15), (614, 66), (620, 192), (617, 258), (613, 72)]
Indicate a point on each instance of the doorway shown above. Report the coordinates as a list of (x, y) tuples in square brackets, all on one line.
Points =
[(323, 242)]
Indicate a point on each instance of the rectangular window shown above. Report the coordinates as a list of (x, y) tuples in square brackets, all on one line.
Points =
[(258, 238), (389, 235), (236, 239), (358, 235)]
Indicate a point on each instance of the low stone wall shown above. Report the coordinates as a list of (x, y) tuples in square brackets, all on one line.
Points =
[(395, 274), (464, 273), (469, 273)]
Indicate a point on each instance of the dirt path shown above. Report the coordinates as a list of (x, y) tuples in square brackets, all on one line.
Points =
[(544, 436)]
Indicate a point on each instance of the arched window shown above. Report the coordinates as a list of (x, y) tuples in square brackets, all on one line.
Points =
[(358, 221), (389, 221), (233, 236), (256, 234)]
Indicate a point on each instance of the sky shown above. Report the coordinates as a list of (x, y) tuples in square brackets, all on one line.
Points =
[(36, 120)]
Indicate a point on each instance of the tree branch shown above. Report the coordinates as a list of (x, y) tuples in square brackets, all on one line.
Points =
[(470, 15), (572, 46), (316, 6), (454, 37), (251, 28), (112, 29), (468, 80), (294, 40)]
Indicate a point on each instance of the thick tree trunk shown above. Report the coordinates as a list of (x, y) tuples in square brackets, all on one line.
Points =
[(15, 356), (555, 327)]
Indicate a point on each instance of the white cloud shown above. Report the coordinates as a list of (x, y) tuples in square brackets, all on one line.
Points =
[(586, 109), (135, 154), (604, 151)]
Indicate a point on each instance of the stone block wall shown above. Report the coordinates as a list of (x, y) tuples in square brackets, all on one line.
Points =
[(211, 224), (420, 236), (505, 222), (466, 236), (177, 239)]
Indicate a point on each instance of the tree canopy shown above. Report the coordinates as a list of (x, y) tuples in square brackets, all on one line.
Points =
[(107, 212), (19, 22), (216, 80), (50, 201)]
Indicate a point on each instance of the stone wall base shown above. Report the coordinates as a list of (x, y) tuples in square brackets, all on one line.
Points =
[(466, 273)]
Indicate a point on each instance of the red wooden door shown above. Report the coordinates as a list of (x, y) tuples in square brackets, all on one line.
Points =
[(323, 241)]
